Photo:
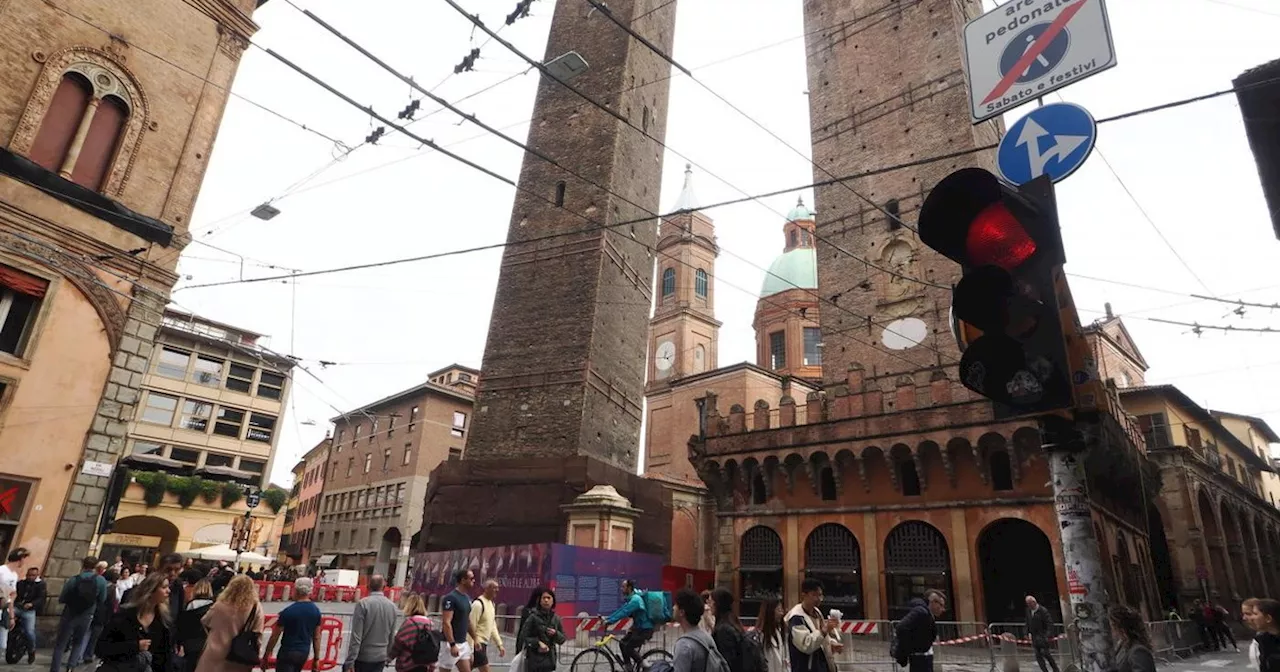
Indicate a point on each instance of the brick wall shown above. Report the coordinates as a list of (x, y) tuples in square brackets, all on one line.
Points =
[(564, 363)]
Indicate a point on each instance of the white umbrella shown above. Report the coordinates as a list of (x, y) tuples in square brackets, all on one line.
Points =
[(225, 552)]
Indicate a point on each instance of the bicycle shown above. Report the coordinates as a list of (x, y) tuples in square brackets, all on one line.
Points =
[(600, 658)]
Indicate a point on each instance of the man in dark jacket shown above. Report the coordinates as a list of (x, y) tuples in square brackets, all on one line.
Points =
[(917, 631), (31, 595), (1207, 637), (1039, 629), (80, 597)]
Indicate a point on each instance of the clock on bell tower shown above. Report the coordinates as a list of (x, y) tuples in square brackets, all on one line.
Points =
[(684, 331)]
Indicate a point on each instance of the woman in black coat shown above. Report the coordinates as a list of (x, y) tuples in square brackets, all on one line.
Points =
[(138, 637), (542, 634)]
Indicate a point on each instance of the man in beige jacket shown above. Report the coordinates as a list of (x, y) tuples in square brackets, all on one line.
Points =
[(484, 627)]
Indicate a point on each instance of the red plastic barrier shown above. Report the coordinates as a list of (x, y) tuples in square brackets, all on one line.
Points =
[(330, 643)]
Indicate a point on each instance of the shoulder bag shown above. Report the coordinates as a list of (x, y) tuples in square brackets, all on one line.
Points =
[(247, 643)]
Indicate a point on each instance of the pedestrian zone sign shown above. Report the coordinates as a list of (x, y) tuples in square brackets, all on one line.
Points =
[(1025, 49)]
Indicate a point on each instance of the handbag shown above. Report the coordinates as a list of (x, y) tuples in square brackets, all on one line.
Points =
[(247, 644), (517, 663)]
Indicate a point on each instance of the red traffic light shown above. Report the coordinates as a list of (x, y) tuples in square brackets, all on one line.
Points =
[(976, 220), (996, 238)]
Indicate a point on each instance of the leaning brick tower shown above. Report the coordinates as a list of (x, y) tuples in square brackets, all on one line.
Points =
[(559, 404), (886, 87)]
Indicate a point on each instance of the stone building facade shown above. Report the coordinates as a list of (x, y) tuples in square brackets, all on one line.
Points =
[(894, 478), (378, 469), (315, 468), (108, 117)]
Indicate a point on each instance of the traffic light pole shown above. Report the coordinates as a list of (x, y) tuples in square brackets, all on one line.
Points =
[(1081, 556)]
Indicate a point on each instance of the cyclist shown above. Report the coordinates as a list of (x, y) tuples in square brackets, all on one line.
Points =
[(641, 631)]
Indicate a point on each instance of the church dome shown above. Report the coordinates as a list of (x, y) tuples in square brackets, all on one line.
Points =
[(800, 213), (795, 268)]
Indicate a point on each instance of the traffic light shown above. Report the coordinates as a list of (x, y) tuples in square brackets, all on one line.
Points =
[(1006, 240)]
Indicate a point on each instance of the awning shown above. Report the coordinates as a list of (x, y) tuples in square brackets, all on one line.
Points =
[(326, 561)]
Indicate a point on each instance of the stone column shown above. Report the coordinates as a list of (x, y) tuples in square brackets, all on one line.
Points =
[(106, 438), (402, 565)]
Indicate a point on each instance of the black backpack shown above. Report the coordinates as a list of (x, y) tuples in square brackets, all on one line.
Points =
[(426, 647), (84, 594), (751, 651)]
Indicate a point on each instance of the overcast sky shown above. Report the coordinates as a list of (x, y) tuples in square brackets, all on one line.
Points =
[(1189, 168)]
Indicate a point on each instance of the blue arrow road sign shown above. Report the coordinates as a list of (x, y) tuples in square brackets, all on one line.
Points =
[(1053, 140)]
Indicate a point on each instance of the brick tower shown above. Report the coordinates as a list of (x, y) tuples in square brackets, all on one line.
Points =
[(886, 87), (564, 365)]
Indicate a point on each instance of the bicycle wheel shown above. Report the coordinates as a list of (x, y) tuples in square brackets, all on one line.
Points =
[(654, 655), (594, 659)]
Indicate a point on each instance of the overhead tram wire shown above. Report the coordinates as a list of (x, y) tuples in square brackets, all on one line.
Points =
[(595, 225), (472, 118), (475, 20), (666, 57), (719, 204)]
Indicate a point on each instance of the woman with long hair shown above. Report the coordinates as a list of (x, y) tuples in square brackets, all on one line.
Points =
[(708, 622), (137, 638), (772, 633), (542, 634), (527, 609), (236, 610), (1249, 616), (415, 624), (189, 629), (1133, 643), (728, 632)]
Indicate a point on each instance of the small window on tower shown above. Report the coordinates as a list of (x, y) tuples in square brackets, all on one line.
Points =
[(795, 237), (812, 346), (758, 492), (700, 284), (891, 210), (668, 283), (559, 194), (778, 350)]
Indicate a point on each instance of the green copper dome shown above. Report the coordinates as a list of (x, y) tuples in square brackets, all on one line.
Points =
[(800, 213), (797, 268)]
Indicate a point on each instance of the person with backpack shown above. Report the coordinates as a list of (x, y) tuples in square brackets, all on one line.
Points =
[(633, 607), (297, 630), (742, 653), (814, 640), (694, 651), (484, 628), (416, 646), (914, 636), (79, 598), (103, 613)]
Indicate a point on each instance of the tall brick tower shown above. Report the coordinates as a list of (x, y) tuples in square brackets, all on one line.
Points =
[(562, 383), (886, 87)]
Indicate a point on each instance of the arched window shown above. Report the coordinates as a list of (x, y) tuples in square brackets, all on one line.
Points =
[(795, 237), (559, 194), (827, 484), (58, 129), (1001, 471), (668, 283), (758, 491), (909, 478), (700, 283), (82, 127), (759, 568), (805, 239), (831, 553)]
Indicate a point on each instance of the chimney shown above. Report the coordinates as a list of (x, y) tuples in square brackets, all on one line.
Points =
[(1107, 307)]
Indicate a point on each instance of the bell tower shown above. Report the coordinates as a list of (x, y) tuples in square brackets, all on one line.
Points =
[(684, 331)]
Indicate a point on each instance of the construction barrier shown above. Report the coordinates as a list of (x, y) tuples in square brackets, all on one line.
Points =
[(330, 643), (1174, 640), (282, 591)]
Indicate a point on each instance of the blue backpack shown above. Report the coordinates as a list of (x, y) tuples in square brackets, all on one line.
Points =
[(657, 604)]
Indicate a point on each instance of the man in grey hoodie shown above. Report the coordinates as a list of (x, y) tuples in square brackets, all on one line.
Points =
[(695, 651)]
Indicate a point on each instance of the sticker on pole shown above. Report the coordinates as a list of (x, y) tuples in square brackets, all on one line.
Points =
[(1025, 49), (1053, 140)]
